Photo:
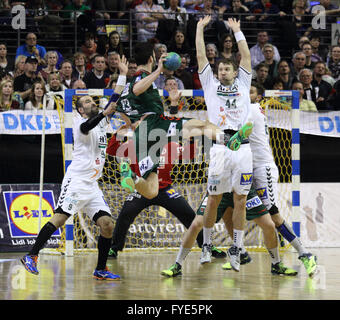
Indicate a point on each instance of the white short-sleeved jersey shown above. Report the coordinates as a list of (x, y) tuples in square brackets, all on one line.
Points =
[(259, 138), (89, 151), (228, 106)]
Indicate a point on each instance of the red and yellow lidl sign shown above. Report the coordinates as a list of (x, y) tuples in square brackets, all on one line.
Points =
[(23, 212)]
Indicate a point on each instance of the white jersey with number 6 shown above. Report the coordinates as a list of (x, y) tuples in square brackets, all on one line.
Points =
[(228, 106)]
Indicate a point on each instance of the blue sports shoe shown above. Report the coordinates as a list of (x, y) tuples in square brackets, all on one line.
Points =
[(30, 263), (105, 275)]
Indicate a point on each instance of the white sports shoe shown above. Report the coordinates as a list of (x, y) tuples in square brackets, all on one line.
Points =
[(234, 256), (206, 253)]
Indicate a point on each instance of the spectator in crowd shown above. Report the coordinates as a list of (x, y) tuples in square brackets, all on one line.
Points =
[(147, 16), (278, 84), (6, 63), (262, 77), (19, 66), (298, 63), (113, 81), (266, 12), (284, 75), (66, 74), (319, 94), (97, 78), (160, 81), (113, 59), (132, 69), (182, 74), (179, 44), (115, 43), (38, 97), (79, 84), (51, 58), (159, 48), (24, 82), (227, 47), (307, 50), (79, 65), (31, 48), (268, 53), (191, 6), (176, 102), (304, 105), (89, 48), (238, 11), (54, 82), (75, 9), (256, 51), (101, 5), (7, 100), (335, 102), (302, 41), (330, 11), (212, 54), (333, 63), (318, 53), (175, 18)]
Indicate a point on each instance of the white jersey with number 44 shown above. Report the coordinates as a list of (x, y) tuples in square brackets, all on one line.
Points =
[(228, 106), (259, 138)]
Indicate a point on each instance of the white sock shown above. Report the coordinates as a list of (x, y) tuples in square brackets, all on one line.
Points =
[(182, 254), (296, 243), (238, 238), (207, 235), (274, 255)]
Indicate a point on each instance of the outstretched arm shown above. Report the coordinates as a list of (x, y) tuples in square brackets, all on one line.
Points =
[(202, 59), (241, 43)]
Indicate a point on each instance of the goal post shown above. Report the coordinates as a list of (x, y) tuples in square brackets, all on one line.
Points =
[(155, 228)]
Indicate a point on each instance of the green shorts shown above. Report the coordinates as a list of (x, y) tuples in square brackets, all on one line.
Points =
[(254, 206), (151, 136)]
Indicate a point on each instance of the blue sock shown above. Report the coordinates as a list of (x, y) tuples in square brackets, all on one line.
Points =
[(286, 232)]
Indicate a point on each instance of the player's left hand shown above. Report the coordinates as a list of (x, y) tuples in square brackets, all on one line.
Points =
[(234, 24), (123, 65)]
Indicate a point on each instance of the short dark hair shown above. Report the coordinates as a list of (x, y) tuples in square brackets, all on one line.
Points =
[(261, 65), (98, 56), (227, 61), (143, 52), (78, 103), (260, 89)]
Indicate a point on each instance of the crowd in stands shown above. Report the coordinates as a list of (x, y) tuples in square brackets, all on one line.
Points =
[(298, 59)]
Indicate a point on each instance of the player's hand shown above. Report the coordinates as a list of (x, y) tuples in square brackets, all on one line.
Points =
[(111, 109), (161, 61), (174, 95), (203, 22), (123, 65), (234, 24)]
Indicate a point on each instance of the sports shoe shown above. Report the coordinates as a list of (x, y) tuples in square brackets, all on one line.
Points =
[(105, 275), (113, 253), (227, 266), (30, 263), (235, 141), (217, 253), (206, 253), (279, 268), (309, 261), (234, 256), (126, 179), (245, 258), (174, 271)]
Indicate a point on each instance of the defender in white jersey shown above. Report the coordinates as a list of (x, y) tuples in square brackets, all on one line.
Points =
[(266, 176), (228, 105)]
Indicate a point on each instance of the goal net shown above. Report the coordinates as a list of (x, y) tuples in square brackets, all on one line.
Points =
[(155, 228)]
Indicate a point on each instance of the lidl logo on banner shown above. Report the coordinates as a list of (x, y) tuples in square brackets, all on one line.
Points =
[(22, 210)]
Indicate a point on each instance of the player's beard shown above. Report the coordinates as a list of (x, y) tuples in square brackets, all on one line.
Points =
[(93, 112)]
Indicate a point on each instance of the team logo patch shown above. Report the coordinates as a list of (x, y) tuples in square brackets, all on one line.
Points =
[(22, 210), (262, 192), (253, 202), (145, 165), (172, 193), (246, 178)]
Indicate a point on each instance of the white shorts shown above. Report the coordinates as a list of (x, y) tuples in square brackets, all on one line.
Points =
[(230, 170), (77, 195), (265, 183)]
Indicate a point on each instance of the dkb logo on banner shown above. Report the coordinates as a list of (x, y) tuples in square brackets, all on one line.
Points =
[(22, 210)]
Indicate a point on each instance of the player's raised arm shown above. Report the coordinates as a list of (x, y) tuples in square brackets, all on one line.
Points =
[(123, 66), (202, 59), (241, 43)]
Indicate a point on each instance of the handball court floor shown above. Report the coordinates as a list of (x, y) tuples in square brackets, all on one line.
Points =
[(70, 278)]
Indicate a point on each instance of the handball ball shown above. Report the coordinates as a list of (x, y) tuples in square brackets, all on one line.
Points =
[(172, 61)]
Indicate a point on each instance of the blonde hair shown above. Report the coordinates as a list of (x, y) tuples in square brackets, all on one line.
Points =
[(2, 105)]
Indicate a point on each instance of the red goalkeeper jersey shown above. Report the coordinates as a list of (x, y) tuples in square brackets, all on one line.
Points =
[(171, 152)]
